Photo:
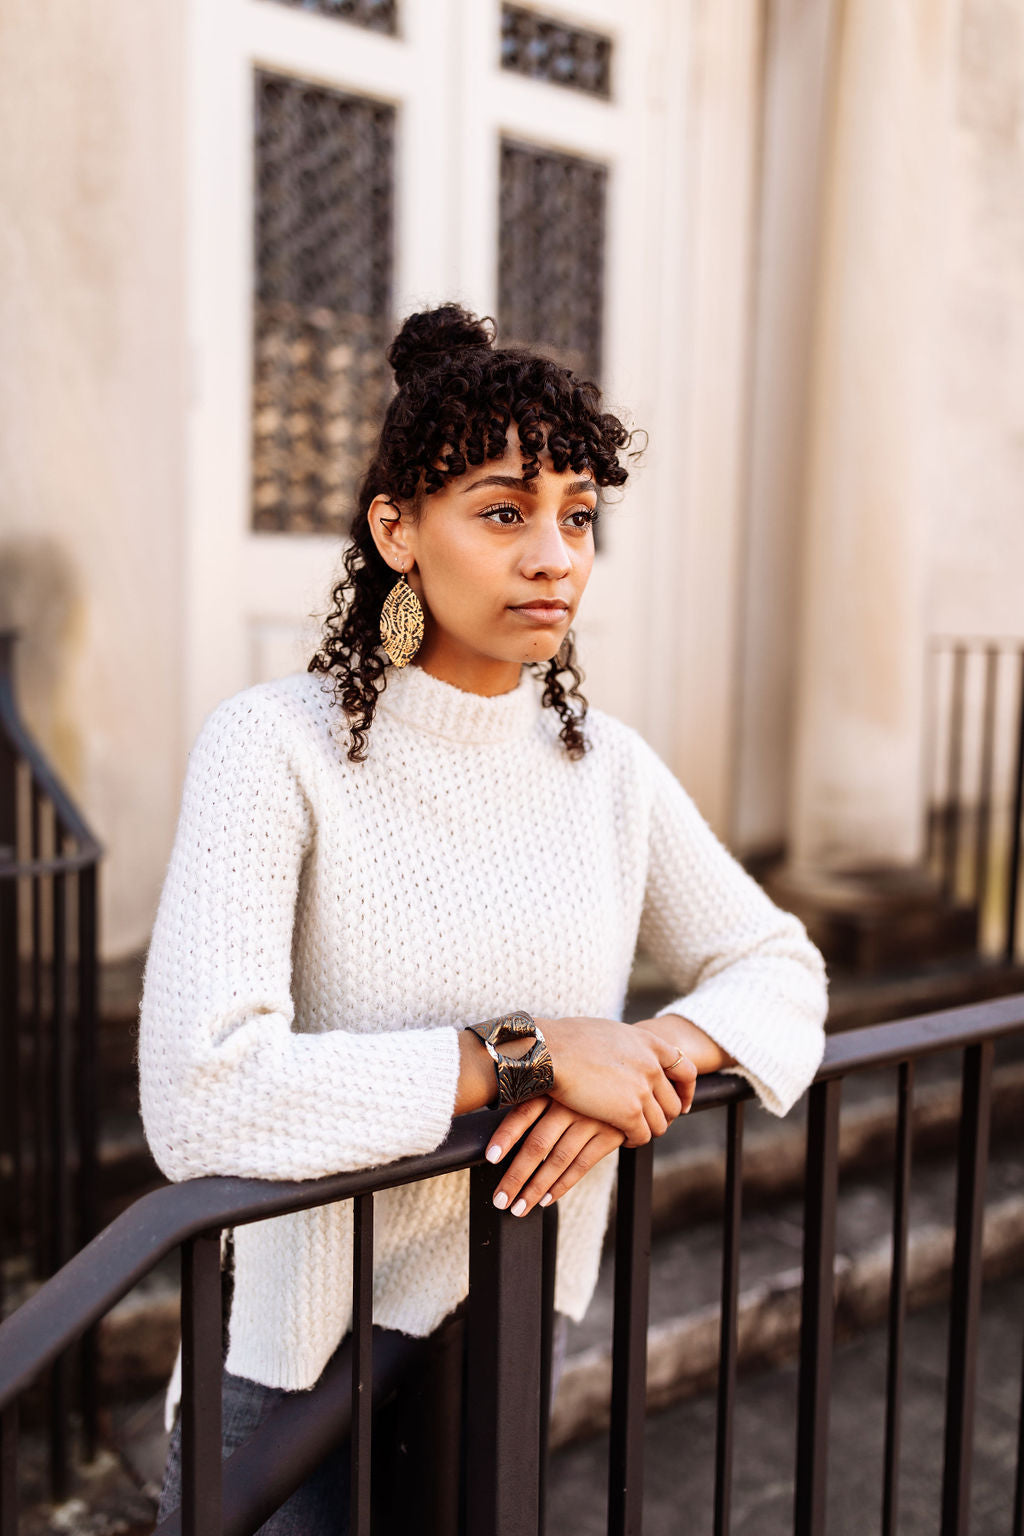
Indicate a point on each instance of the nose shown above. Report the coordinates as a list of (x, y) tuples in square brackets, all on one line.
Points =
[(547, 554)]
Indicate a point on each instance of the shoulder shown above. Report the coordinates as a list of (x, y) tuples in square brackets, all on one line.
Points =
[(273, 732), (280, 712), (619, 746)]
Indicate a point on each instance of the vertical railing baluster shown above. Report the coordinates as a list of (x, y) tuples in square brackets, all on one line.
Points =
[(549, 1259), (503, 1377), (362, 1362), (986, 773), (1017, 1528), (731, 1217), (87, 1111), (629, 1340), (951, 839), (201, 1373), (10, 1022), (965, 1298), (817, 1320), (9, 1470), (39, 1050), (60, 1252), (1016, 830), (897, 1298), (930, 755)]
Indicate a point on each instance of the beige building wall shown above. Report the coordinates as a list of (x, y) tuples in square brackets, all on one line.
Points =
[(900, 470), (795, 474), (976, 446), (92, 389)]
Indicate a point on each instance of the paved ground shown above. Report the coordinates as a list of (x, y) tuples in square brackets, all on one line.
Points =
[(680, 1442)]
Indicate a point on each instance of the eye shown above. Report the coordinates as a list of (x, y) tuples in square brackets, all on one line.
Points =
[(582, 518), (499, 512)]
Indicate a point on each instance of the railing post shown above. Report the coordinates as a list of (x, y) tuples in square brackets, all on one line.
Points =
[(362, 1362), (9, 1471), (549, 1261), (201, 1372), (732, 1212), (965, 1299), (629, 1340), (897, 1299), (503, 1378), (817, 1321)]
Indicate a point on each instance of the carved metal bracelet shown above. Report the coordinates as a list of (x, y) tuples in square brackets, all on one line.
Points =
[(519, 1077)]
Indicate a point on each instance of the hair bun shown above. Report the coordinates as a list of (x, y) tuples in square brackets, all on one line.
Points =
[(431, 334)]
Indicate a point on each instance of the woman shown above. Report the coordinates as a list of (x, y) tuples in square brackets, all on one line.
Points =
[(425, 833)]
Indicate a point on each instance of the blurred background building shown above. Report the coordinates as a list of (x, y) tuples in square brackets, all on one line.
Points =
[(786, 236)]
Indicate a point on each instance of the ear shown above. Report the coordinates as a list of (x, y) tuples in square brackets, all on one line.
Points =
[(389, 528)]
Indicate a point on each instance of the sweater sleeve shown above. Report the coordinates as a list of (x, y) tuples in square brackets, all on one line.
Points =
[(748, 974), (226, 1085)]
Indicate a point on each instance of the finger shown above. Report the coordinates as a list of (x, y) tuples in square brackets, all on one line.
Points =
[(637, 1133), (666, 1052), (683, 1074), (536, 1147), (667, 1094), (561, 1157), (607, 1140), (654, 1116), (515, 1125)]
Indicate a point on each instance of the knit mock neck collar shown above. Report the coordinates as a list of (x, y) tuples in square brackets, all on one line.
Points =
[(427, 704)]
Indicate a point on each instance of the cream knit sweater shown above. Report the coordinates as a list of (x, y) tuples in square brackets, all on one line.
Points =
[(326, 928)]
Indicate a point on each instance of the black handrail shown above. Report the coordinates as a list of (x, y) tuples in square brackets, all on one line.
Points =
[(126, 1250), (506, 1262)]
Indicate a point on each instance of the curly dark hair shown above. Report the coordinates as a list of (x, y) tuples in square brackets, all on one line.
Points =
[(457, 396)]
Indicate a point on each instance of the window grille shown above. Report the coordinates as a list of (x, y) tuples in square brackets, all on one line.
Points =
[(323, 262), (376, 15), (549, 50), (551, 254)]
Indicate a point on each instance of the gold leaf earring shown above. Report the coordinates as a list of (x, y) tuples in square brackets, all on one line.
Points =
[(401, 623)]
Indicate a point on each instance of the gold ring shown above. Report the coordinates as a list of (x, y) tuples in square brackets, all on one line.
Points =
[(677, 1060)]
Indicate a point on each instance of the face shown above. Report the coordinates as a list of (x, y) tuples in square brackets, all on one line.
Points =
[(500, 566)]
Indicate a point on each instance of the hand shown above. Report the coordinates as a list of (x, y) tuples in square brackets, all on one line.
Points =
[(706, 1054), (560, 1149), (622, 1074)]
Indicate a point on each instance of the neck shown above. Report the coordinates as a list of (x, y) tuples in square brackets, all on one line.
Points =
[(484, 675)]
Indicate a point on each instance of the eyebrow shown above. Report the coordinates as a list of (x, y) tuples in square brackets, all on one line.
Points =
[(515, 483)]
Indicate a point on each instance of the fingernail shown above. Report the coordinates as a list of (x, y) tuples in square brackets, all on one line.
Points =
[(501, 1199), (493, 1153), (545, 1199), (519, 1208)]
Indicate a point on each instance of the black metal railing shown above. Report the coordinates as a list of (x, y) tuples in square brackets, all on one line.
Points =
[(510, 1294), (48, 1101), (975, 818)]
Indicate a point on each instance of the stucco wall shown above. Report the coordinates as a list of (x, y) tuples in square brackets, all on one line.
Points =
[(91, 406), (977, 449)]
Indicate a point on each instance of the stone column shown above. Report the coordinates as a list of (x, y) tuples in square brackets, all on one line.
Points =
[(857, 782)]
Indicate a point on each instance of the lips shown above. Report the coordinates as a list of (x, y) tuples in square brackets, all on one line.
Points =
[(541, 605)]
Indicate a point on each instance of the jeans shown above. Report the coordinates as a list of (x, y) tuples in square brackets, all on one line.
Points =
[(403, 1456)]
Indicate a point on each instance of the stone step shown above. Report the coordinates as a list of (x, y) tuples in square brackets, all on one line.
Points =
[(682, 1352)]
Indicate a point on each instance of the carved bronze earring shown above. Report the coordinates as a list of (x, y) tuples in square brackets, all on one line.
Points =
[(401, 623)]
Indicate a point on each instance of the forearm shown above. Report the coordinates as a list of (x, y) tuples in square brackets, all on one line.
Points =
[(478, 1086)]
